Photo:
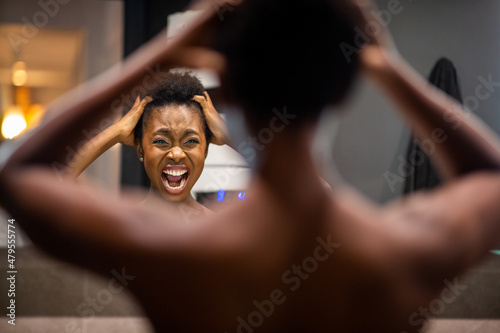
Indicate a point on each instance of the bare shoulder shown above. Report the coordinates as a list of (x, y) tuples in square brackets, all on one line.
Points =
[(60, 214), (433, 234)]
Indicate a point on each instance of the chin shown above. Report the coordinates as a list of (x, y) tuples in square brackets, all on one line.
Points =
[(175, 198)]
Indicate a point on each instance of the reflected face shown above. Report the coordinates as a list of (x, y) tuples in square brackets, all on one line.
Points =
[(174, 147)]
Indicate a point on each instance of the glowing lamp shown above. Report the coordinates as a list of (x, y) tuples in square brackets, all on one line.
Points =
[(13, 123), (19, 74)]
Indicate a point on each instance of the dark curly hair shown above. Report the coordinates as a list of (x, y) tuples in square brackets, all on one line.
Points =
[(177, 88), (287, 53)]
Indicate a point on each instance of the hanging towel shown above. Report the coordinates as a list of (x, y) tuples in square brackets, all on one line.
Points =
[(421, 173)]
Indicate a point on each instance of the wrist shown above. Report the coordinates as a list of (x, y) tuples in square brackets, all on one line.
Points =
[(378, 63), (115, 135)]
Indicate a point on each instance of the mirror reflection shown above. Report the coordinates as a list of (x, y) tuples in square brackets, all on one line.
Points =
[(51, 49)]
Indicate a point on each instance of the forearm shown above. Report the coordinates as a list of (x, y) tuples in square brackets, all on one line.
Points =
[(70, 221), (82, 110), (457, 141), (92, 150)]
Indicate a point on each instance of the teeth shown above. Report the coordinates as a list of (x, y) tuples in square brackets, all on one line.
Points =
[(175, 188), (175, 172)]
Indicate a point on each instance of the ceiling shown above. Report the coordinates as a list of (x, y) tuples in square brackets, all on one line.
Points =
[(53, 58)]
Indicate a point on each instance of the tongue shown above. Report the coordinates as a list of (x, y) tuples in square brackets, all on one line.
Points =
[(174, 179)]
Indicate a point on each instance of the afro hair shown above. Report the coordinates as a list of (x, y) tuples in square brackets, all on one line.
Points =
[(177, 88)]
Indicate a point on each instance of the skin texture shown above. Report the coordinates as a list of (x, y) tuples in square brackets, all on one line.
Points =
[(120, 132), (215, 122), (173, 136), (178, 153), (291, 257)]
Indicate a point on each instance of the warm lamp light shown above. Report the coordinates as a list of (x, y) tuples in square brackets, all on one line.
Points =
[(13, 122), (19, 74)]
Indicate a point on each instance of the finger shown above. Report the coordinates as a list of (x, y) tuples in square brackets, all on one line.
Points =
[(137, 110), (209, 101), (143, 104), (200, 99), (146, 100), (207, 97), (137, 101)]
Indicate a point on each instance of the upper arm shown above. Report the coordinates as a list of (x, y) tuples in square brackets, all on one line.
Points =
[(80, 224), (448, 229), (94, 148)]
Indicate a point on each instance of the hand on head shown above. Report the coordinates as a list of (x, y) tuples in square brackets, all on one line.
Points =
[(214, 121), (380, 48), (127, 124)]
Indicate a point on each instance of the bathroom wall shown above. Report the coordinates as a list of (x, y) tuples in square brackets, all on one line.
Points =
[(372, 138), (371, 142), (101, 23)]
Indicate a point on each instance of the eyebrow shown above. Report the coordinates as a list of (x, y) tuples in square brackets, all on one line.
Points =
[(167, 131), (162, 131), (189, 131)]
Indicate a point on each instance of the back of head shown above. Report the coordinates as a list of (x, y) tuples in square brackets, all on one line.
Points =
[(286, 54)]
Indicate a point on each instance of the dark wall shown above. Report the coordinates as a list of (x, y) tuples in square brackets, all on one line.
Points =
[(143, 20)]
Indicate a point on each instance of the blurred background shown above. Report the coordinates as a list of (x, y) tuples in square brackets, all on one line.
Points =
[(49, 47)]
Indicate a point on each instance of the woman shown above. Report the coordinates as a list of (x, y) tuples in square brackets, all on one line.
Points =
[(171, 130), (292, 257)]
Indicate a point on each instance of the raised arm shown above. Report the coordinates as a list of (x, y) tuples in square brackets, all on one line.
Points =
[(448, 229), (54, 211), (120, 132), (459, 142), (81, 110)]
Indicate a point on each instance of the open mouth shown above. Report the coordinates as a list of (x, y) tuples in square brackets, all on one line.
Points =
[(174, 178)]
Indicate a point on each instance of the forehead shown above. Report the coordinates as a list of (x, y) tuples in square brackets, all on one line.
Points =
[(176, 118)]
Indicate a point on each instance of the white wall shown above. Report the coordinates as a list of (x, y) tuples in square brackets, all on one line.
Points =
[(102, 23)]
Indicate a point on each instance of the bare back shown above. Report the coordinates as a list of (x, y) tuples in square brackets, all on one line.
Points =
[(298, 258)]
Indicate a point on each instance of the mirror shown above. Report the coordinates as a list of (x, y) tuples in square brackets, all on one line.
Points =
[(80, 39)]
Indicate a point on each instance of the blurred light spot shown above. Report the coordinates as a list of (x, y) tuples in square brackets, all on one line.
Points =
[(220, 195), (241, 195), (497, 252), (13, 123), (19, 74), (34, 115)]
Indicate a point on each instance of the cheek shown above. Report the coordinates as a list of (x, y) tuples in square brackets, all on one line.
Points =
[(151, 160), (148, 166), (198, 158)]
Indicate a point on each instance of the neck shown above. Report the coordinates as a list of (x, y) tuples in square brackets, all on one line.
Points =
[(288, 168), (188, 208)]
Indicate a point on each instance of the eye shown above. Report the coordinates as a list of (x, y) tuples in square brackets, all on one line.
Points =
[(160, 142), (192, 141)]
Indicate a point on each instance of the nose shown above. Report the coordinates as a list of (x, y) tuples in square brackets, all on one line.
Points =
[(176, 154)]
